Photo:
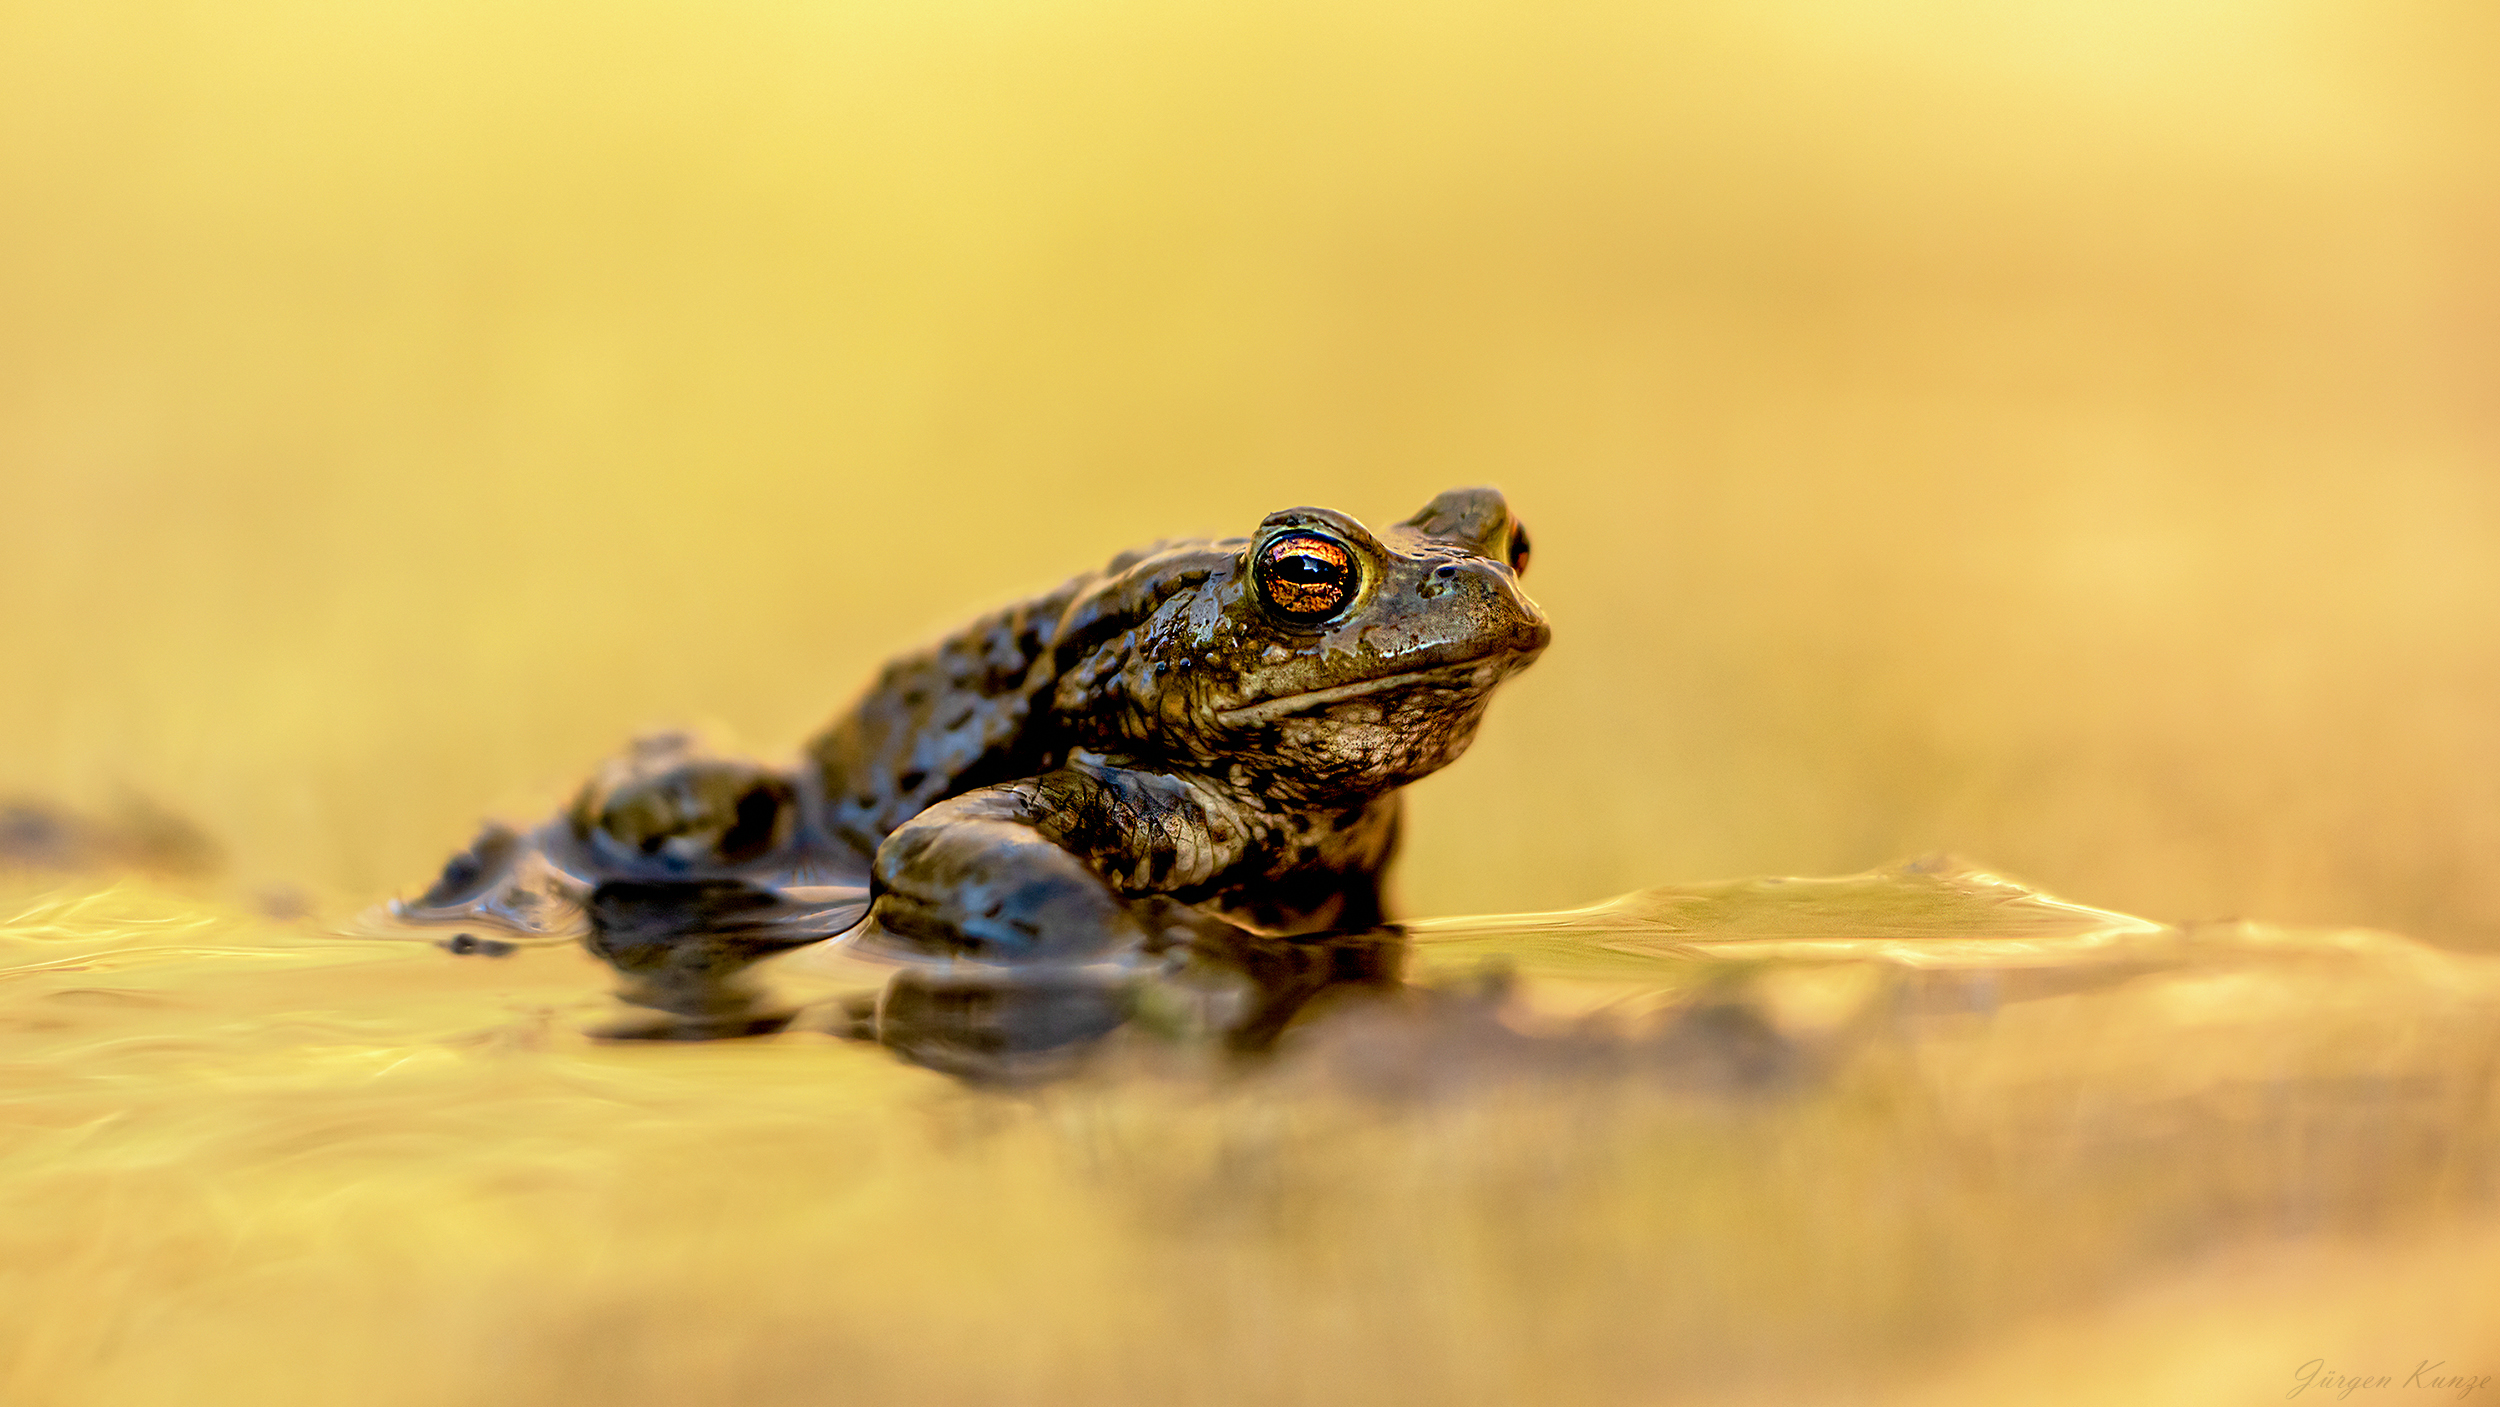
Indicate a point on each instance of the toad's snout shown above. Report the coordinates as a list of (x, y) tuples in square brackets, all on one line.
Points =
[(1474, 606)]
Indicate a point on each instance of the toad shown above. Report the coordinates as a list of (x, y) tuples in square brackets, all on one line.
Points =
[(1203, 736)]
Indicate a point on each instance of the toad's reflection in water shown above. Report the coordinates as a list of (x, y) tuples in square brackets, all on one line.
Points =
[(999, 1025), (1018, 1023), (686, 952), (684, 948)]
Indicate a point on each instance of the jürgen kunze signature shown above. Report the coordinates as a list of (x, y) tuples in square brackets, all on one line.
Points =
[(2429, 1374)]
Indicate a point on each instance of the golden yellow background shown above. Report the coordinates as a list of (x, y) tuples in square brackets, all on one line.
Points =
[(2066, 433)]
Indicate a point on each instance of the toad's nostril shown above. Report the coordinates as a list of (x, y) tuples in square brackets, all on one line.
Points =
[(1445, 571)]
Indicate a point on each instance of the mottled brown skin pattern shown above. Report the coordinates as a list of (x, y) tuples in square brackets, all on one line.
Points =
[(1177, 740)]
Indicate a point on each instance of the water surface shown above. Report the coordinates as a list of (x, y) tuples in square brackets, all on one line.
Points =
[(1893, 1134)]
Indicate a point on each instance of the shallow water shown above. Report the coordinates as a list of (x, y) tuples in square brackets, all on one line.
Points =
[(1918, 1135)]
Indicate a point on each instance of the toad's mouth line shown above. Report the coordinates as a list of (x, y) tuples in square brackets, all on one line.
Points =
[(1269, 710)]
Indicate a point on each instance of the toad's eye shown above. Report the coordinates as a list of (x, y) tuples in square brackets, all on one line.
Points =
[(1305, 578), (1518, 549)]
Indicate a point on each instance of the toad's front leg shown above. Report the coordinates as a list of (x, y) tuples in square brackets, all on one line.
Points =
[(1069, 865)]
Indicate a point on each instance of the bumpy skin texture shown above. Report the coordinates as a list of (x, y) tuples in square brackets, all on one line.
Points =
[(1192, 741)]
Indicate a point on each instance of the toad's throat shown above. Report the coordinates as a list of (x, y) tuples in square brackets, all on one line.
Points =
[(1269, 710)]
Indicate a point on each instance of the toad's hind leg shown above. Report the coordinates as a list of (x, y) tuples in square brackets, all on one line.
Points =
[(666, 807), (663, 812)]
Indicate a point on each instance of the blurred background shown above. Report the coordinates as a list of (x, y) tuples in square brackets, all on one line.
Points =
[(2063, 433)]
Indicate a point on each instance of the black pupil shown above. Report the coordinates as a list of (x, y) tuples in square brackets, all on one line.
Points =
[(1518, 548), (1306, 569)]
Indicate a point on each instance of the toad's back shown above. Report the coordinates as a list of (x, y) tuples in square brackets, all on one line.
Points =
[(979, 707)]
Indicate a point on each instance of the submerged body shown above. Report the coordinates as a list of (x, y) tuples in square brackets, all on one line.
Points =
[(1202, 735)]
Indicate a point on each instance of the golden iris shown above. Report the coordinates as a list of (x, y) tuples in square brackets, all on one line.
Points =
[(1306, 577)]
